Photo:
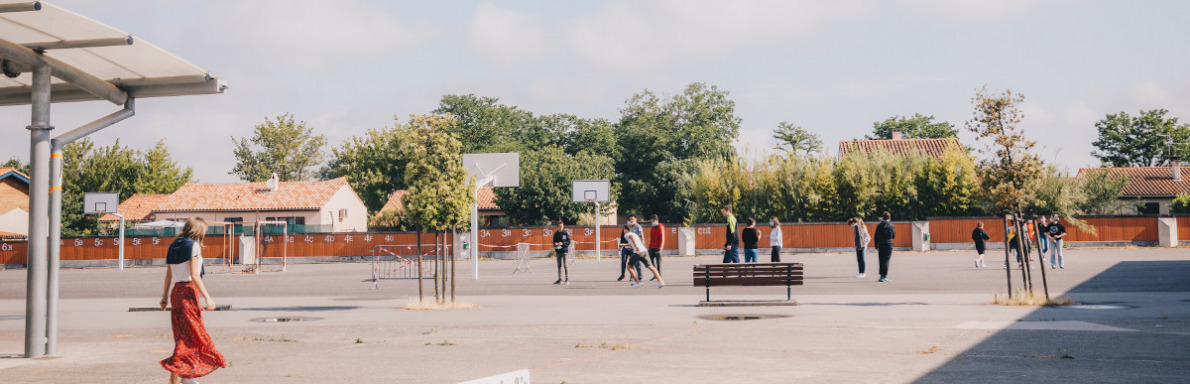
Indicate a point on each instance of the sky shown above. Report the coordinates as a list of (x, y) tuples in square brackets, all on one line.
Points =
[(833, 67)]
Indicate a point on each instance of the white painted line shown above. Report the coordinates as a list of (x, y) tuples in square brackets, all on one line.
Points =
[(516, 377)]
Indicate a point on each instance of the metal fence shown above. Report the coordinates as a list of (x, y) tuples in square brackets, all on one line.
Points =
[(402, 261)]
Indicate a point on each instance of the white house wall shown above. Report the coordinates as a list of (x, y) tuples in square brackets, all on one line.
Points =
[(356, 219), (15, 221)]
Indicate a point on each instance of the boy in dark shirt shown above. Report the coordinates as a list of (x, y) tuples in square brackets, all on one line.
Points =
[(981, 237), (750, 236), (561, 248), (885, 233)]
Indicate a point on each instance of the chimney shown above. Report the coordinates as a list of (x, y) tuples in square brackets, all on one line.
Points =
[(272, 183), (1177, 169), (896, 135)]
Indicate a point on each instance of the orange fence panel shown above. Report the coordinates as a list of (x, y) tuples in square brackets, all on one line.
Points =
[(1115, 229), (959, 230)]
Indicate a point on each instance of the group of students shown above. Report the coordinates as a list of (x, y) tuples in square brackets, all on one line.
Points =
[(750, 237), (1053, 235), (633, 252), (885, 233)]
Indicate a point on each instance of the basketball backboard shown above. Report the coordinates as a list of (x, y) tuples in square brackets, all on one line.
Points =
[(98, 203), (504, 167), (591, 190)]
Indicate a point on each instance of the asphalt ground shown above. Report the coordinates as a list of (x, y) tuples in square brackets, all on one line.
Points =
[(932, 323)]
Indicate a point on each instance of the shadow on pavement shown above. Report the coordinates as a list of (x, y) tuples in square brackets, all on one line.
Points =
[(1056, 344)]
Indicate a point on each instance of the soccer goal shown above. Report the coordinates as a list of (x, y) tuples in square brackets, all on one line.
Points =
[(271, 246)]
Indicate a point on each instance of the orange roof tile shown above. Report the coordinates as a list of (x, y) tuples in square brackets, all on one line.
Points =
[(487, 200), (928, 147), (5, 171), (11, 235), (231, 197), (1147, 181), (139, 207)]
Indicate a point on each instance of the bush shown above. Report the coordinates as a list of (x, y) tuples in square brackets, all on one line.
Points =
[(1181, 204)]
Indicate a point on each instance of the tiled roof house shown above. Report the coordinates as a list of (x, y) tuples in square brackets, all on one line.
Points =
[(14, 202), (897, 145), (1156, 187), (487, 206)]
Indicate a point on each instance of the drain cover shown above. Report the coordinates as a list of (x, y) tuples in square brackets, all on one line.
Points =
[(741, 317), (1100, 306), (287, 319)]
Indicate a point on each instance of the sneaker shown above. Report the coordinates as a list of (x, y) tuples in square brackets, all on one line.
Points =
[(661, 284), (635, 285), (621, 278), (861, 275), (567, 282), (976, 263), (883, 280), (559, 281), (982, 265), (653, 278), (189, 381)]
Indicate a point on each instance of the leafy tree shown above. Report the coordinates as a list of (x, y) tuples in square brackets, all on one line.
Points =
[(1141, 141), (544, 194), (699, 123), (1011, 174), (373, 165), (440, 195), (16, 163), (160, 173), (794, 139), (916, 127), (947, 186), (1055, 192), (1100, 191), (1181, 204), (281, 145), (484, 125)]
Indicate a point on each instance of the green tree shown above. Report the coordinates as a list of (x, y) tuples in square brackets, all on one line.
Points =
[(1141, 141), (484, 125), (916, 127), (1011, 173), (1100, 191), (947, 186), (794, 139), (699, 123), (373, 164), (161, 174), (544, 192), (280, 145), (440, 195), (16, 163), (1181, 204)]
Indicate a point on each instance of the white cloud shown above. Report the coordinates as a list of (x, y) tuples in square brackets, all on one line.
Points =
[(505, 36), (970, 9)]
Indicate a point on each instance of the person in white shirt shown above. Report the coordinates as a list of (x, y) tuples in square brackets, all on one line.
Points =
[(775, 239), (640, 256), (194, 352)]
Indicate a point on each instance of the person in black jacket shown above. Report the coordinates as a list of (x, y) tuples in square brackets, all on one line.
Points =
[(980, 237), (750, 236), (731, 248), (885, 233), (561, 248)]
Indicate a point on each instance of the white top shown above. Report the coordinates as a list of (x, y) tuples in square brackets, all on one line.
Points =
[(635, 242), (181, 272), (775, 239)]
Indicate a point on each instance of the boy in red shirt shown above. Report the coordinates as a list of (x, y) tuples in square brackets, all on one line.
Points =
[(656, 241)]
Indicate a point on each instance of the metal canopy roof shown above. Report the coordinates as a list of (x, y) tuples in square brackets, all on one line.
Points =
[(97, 51)]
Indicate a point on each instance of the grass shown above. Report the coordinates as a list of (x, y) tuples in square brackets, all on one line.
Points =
[(430, 305), (359, 340), (429, 332), (1022, 298), (616, 346), (929, 351), (444, 343)]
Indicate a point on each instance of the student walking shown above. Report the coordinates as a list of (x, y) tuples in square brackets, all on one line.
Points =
[(1015, 247), (860, 233), (885, 233), (775, 239), (625, 250), (1057, 237), (656, 242), (731, 248), (640, 256), (194, 351), (751, 238), (980, 237), (561, 248), (1043, 230)]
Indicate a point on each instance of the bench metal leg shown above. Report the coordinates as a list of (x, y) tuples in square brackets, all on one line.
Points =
[(708, 282)]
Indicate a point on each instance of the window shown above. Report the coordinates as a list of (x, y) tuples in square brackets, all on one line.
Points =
[(233, 219), (1150, 209)]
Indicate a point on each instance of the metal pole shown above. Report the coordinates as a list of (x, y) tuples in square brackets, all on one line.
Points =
[(51, 310), (475, 235), (1007, 256), (453, 233), (1021, 234), (121, 216), (420, 293), (39, 185), (1041, 259), (597, 222)]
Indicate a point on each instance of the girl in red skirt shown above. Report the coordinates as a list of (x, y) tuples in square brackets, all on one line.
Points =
[(194, 352)]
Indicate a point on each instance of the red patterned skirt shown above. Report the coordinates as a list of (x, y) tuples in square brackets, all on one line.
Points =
[(194, 352)]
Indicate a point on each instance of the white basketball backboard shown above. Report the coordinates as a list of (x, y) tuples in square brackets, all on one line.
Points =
[(98, 203), (591, 190), (504, 167)]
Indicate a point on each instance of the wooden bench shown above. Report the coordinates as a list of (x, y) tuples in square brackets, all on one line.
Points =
[(749, 275)]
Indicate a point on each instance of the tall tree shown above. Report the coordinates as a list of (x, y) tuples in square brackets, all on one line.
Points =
[(439, 196), (546, 176), (1101, 192), (373, 164), (482, 124), (699, 123), (796, 140), (280, 145), (1011, 174), (16, 163), (1141, 141), (161, 174), (917, 126)]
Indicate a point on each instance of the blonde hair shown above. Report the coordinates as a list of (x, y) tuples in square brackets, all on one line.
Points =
[(194, 229), (859, 223)]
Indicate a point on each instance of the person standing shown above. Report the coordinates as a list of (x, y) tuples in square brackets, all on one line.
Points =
[(194, 351), (980, 237), (885, 233), (1015, 247), (1043, 230), (625, 249), (751, 239), (1057, 237), (775, 239), (640, 256), (656, 242), (731, 248), (860, 232), (561, 248)]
